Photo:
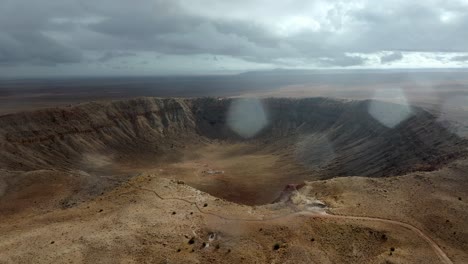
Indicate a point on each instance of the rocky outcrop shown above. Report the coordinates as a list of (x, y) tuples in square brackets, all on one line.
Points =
[(341, 137), (59, 137)]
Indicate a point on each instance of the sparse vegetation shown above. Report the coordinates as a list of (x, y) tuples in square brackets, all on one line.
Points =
[(276, 246), (191, 241), (238, 160)]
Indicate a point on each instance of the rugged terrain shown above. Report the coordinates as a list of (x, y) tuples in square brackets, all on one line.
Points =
[(125, 181), (361, 145)]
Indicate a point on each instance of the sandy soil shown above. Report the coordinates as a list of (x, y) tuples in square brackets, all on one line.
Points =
[(132, 224), (239, 172), (152, 219), (435, 202)]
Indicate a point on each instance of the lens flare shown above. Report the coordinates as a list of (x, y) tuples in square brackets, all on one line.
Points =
[(389, 114), (246, 117)]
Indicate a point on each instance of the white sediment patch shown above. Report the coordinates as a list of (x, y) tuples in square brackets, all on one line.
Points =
[(96, 161)]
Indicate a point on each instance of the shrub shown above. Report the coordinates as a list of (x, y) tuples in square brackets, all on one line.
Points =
[(191, 241), (276, 246)]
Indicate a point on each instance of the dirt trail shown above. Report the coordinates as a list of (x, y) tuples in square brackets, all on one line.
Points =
[(440, 253)]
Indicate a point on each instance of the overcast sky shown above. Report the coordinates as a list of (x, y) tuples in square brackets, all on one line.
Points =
[(158, 37)]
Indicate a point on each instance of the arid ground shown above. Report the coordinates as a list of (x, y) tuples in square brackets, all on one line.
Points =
[(131, 223), (153, 180)]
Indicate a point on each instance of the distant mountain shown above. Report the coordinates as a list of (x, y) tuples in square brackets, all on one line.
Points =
[(282, 71)]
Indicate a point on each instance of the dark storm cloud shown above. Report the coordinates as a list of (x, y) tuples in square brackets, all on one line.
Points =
[(250, 31), (65, 31), (394, 56), (34, 48), (185, 34), (403, 27), (411, 26), (144, 26), (342, 60), (110, 55), (22, 34)]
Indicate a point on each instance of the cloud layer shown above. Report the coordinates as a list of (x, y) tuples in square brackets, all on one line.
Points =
[(241, 34)]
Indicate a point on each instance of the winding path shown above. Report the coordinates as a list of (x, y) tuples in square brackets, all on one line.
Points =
[(440, 253)]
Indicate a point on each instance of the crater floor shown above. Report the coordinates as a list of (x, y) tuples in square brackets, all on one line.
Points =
[(243, 173)]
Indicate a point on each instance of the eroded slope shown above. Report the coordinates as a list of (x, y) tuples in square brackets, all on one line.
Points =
[(336, 137)]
